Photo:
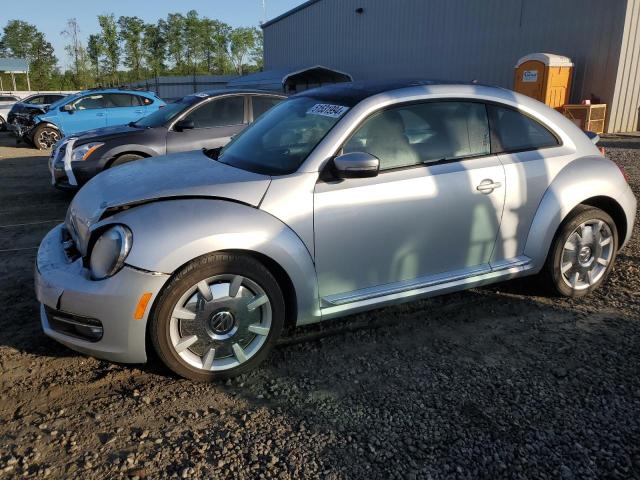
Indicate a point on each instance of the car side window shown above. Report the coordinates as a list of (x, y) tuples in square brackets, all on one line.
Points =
[(90, 102), (222, 112), (423, 133), (261, 104), (38, 100), (515, 131), (120, 100), (144, 100)]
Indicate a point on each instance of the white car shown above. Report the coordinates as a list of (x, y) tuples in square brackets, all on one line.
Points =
[(6, 102)]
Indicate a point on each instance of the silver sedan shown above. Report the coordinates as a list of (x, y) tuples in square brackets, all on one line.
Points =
[(339, 200)]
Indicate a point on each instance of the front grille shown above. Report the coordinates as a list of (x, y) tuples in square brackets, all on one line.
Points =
[(76, 326)]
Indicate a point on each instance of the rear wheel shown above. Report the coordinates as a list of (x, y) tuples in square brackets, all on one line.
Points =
[(583, 252), (218, 318), (45, 137)]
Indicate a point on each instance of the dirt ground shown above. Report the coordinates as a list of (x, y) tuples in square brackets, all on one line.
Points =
[(488, 383)]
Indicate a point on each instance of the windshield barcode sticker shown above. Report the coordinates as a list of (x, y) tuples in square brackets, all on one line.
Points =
[(327, 110)]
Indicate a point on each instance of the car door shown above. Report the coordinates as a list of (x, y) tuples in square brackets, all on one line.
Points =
[(215, 121), (89, 112), (123, 108), (432, 212)]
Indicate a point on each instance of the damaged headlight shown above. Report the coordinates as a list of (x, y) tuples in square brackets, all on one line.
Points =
[(109, 252)]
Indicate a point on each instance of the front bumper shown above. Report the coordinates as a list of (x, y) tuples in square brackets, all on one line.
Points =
[(69, 175), (64, 286), (20, 128)]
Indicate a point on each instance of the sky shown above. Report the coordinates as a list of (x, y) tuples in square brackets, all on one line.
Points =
[(51, 17)]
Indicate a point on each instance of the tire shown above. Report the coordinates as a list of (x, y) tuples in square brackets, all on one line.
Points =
[(3, 124), (222, 336), (45, 137), (582, 253), (126, 158)]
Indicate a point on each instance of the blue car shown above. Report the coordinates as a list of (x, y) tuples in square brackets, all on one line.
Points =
[(89, 110)]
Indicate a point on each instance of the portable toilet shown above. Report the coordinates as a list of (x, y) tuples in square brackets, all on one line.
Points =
[(545, 77)]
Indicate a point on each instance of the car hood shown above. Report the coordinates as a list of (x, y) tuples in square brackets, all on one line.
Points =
[(106, 133), (28, 108), (181, 175)]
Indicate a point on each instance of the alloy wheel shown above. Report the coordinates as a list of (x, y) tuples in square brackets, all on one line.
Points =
[(48, 138), (220, 323), (586, 254)]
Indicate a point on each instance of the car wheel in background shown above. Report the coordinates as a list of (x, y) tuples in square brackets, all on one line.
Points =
[(219, 317), (126, 158), (3, 125), (582, 253), (45, 137)]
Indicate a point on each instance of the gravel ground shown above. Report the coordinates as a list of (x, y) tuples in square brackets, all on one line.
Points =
[(488, 383)]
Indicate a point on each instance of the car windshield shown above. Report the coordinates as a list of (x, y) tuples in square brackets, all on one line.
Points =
[(165, 114), (62, 101), (281, 139)]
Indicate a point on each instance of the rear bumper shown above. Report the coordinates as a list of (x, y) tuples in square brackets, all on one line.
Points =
[(629, 205), (65, 287)]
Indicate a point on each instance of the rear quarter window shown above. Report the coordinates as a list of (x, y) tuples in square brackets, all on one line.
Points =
[(513, 131)]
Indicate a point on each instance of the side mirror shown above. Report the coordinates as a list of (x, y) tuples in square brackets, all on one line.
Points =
[(356, 165), (67, 108), (184, 125)]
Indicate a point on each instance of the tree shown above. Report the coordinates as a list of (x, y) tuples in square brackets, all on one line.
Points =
[(193, 40), (155, 48), (174, 34), (23, 40), (257, 53), (131, 34), (109, 36), (242, 41), (76, 51), (215, 36), (94, 53)]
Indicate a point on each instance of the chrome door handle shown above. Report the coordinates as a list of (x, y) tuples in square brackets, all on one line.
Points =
[(487, 186)]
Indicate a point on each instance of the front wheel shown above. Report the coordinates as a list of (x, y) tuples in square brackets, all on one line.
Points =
[(3, 125), (126, 158), (583, 252), (45, 137), (218, 318)]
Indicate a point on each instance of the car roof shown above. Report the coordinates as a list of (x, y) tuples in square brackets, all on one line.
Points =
[(351, 93), (116, 90), (240, 91)]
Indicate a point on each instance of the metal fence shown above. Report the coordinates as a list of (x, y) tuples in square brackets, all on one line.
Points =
[(173, 88), (25, 93)]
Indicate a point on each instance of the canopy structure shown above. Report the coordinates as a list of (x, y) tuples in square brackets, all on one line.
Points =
[(13, 66), (291, 80)]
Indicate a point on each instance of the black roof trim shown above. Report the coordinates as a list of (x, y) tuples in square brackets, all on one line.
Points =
[(351, 93), (216, 92), (302, 6)]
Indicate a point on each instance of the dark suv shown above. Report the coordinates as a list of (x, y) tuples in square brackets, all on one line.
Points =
[(202, 120)]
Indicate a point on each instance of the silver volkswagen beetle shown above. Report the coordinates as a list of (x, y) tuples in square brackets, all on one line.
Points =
[(339, 200)]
